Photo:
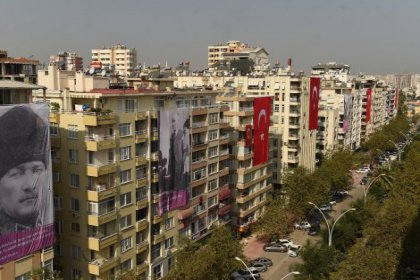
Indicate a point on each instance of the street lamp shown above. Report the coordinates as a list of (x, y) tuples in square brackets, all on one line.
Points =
[(291, 273), (247, 268), (365, 190), (330, 231)]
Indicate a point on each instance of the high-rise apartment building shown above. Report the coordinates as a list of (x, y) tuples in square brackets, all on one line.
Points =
[(67, 61), (107, 162), (119, 58)]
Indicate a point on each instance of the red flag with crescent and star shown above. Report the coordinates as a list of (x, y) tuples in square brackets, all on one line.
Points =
[(368, 104), (314, 88), (262, 111)]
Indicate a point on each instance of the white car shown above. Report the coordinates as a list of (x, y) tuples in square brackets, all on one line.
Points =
[(302, 225), (365, 169), (285, 242), (294, 250)]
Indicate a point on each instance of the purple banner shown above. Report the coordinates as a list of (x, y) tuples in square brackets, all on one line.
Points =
[(348, 111), (26, 202), (174, 158)]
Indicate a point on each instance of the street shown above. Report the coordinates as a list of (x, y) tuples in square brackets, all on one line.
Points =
[(281, 261)]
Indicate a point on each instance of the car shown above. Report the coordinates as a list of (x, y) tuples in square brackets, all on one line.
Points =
[(332, 202), (364, 169), (260, 267), (263, 260), (285, 242), (343, 192), (294, 250), (244, 274), (302, 225), (276, 247), (325, 207), (313, 230)]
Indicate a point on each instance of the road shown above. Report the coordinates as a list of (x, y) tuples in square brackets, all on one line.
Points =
[(281, 261)]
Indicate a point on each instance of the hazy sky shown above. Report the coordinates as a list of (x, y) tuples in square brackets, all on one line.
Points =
[(373, 36)]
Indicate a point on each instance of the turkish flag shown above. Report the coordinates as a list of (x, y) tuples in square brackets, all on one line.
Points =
[(248, 135), (314, 89), (368, 104), (262, 111)]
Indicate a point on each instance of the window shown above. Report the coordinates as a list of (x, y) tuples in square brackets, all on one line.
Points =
[(213, 118), (169, 242), (58, 202), (25, 276), (199, 174), (74, 181), (75, 205), (212, 185), (125, 153), (213, 151), (125, 221), (125, 199), (54, 129), (73, 156), (72, 131), (56, 176), (141, 172), (212, 201), (75, 252), (212, 168), (169, 223), (125, 129), (213, 134), (126, 244), (125, 176), (130, 105), (157, 271), (127, 265), (75, 227), (141, 193)]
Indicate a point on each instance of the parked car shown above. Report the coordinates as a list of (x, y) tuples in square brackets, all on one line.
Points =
[(364, 169), (285, 242), (332, 202), (263, 260), (313, 230), (294, 250), (325, 207), (302, 225), (276, 247), (244, 274), (363, 181), (260, 267), (343, 192)]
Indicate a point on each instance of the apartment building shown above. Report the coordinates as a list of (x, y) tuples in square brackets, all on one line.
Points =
[(69, 61), (252, 182), (106, 155), (236, 50), (19, 69), (121, 59), (14, 91)]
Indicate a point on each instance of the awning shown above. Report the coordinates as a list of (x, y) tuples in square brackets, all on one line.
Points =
[(224, 210), (186, 213), (225, 193)]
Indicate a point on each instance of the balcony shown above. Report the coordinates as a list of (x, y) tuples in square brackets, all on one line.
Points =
[(246, 111), (142, 268), (96, 119), (96, 170), (294, 136), (97, 219), (140, 116), (245, 156), (223, 171), (155, 134), (141, 182), (141, 247), (223, 210), (246, 198), (198, 127), (294, 125), (294, 101), (142, 203), (157, 238), (141, 159), (96, 143), (244, 213), (101, 241), (54, 117), (141, 136), (141, 225), (100, 192), (294, 113), (100, 266)]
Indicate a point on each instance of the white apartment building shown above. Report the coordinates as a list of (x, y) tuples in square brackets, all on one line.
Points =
[(120, 58), (331, 71), (67, 61)]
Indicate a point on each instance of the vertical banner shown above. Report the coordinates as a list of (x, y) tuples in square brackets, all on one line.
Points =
[(348, 111), (26, 197), (397, 96), (174, 162), (262, 111), (314, 90), (368, 104), (248, 135)]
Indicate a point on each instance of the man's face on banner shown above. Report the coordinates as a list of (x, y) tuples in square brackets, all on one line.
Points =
[(20, 190)]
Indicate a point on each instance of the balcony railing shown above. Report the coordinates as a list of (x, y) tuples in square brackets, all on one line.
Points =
[(98, 138), (198, 124)]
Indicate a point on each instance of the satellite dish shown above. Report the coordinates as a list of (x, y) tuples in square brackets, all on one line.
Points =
[(103, 73), (92, 70)]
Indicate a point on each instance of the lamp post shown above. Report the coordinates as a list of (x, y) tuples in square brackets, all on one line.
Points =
[(291, 273), (247, 268), (330, 230), (365, 190)]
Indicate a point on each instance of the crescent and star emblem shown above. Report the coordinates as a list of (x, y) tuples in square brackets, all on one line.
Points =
[(260, 115)]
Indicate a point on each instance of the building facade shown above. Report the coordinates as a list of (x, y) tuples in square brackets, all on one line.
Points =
[(119, 58), (69, 61)]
